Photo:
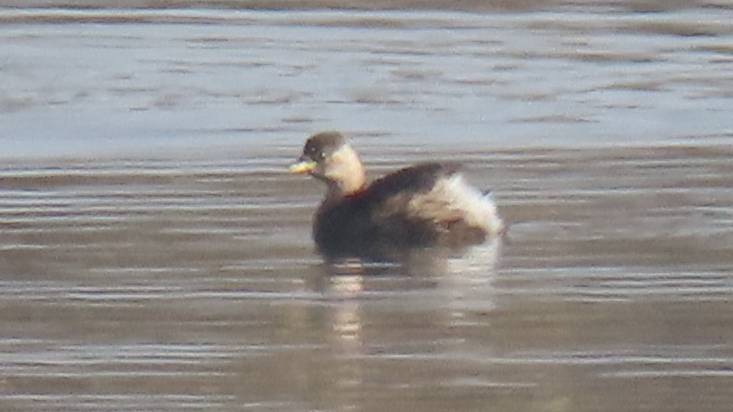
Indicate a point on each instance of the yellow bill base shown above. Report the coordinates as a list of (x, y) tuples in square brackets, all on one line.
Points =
[(302, 167)]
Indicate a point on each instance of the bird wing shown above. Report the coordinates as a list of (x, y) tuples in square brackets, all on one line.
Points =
[(392, 206), (410, 180)]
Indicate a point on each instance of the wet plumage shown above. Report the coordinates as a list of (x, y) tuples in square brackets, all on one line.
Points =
[(423, 205)]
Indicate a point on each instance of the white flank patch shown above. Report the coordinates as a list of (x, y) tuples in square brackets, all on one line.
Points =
[(453, 198)]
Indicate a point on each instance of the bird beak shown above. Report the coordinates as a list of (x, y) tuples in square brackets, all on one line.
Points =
[(302, 167)]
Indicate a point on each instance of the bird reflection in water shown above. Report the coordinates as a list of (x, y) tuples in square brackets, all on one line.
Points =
[(357, 320), (461, 280)]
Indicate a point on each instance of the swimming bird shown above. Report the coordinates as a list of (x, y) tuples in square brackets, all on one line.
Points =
[(428, 204)]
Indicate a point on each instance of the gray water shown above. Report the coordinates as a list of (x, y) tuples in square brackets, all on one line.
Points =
[(154, 254)]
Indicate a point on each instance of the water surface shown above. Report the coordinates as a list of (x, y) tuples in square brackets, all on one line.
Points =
[(155, 256)]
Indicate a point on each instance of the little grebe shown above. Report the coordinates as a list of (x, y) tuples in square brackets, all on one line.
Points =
[(428, 204)]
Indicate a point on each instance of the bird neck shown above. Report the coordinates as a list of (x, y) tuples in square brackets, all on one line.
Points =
[(346, 174), (354, 183)]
